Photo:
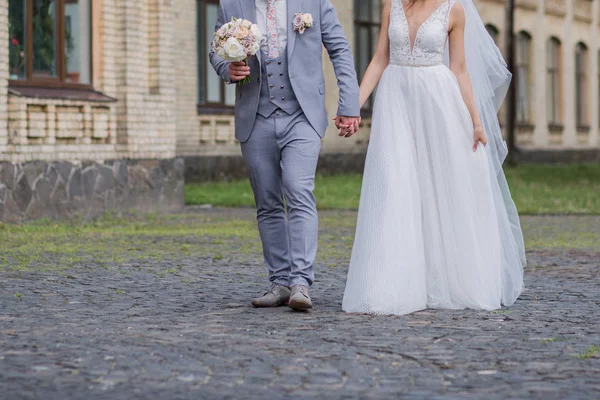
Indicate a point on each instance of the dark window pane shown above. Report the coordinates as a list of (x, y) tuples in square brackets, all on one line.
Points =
[(201, 52), (367, 19), (229, 95), (553, 84), (16, 39), (44, 38), (213, 81), (361, 9), (363, 57), (376, 11), (78, 41), (580, 84), (375, 30), (522, 76), (493, 31)]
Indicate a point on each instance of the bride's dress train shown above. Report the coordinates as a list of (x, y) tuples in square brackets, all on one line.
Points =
[(433, 227)]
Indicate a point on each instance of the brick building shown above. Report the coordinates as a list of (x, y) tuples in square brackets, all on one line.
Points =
[(100, 100), (88, 112)]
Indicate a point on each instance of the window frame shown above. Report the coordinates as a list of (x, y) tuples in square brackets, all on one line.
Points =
[(523, 41), (581, 92), (494, 33), (370, 25), (206, 107), (553, 74), (61, 68)]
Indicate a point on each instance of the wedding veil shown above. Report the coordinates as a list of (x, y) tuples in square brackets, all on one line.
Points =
[(490, 79)]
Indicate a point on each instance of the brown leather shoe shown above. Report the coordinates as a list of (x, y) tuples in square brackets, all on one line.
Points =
[(277, 295), (299, 299)]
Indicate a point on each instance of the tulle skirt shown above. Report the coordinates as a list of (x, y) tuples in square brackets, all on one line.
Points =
[(436, 226)]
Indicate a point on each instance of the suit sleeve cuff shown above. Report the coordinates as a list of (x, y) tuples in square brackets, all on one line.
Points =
[(345, 111)]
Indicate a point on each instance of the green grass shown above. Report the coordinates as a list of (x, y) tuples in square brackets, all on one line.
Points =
[(591, 352), (113, 239), (171, 241), (536, 189), (556, 189)]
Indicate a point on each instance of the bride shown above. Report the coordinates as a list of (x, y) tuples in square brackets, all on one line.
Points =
[(436, 227)]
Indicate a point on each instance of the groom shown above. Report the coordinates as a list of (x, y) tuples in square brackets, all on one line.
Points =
[(280, 118)]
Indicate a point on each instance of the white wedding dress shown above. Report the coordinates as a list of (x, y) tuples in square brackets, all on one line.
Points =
[(436, 225)]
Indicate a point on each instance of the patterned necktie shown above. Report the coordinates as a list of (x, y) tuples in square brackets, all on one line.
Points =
[(272, 29)]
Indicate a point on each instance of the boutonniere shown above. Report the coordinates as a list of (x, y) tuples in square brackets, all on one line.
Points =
[(302, 22)]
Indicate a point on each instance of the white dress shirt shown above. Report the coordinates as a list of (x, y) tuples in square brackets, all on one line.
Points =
[(282, 23)]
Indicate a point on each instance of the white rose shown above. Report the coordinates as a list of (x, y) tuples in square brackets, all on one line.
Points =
[(223, 31), (221, 52), (233, 31), (234, 50), (307, 19), (255, 31)]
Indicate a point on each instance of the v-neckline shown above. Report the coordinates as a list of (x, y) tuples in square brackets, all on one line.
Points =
[(411, 44)]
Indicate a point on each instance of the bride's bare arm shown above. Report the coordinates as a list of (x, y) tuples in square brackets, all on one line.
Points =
[(458, 66), (380, 60)]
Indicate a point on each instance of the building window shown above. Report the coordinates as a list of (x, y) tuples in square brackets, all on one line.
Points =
[(50, 42), (553, 95), (523, 77), (581, 81), (367, 26), (493, 31), (212, 90)]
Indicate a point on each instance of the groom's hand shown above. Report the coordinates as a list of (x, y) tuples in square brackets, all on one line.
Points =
[(238, 71), (348, 126)]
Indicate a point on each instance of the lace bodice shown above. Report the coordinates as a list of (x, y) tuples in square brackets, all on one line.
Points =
[(430, 40)]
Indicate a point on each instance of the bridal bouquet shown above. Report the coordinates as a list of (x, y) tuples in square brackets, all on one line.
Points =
[(236, 41)]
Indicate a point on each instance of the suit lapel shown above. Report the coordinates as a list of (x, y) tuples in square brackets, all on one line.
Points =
[(293, 7), (248, 9)]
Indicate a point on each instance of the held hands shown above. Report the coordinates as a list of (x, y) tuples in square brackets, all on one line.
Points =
[(479, 136), (348, 126), (238, 71)]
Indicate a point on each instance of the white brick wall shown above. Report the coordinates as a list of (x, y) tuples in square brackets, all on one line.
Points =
[(186, 77), (135, 66)]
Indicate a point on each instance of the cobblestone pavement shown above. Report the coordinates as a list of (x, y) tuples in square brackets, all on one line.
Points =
[(159, 309)]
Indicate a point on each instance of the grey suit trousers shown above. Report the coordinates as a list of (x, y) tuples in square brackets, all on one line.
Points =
[(282, 154)]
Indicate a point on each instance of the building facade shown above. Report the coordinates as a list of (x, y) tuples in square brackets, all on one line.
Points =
[(100, 100), (557, 73), (87, 108), (557, 76)]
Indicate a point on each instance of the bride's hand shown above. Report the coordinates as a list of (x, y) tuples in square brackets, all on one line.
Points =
[(479, 136)]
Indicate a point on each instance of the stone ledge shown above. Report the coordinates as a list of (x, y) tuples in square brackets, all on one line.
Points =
[(559, 156), (224, 168), (41, 189)]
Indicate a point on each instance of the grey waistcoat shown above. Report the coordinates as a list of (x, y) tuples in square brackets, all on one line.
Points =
[(276, 89)]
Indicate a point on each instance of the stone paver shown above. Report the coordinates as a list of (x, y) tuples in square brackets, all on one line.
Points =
[(180, 327)]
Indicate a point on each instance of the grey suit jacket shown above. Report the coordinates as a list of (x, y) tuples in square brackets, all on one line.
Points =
[(305, 63)]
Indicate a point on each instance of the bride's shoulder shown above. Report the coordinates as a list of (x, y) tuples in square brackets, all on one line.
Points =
[(456, 9), (386, 9), (457, 13)]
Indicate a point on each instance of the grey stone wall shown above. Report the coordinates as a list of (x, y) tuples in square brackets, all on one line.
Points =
[(560, 156), (40, 189), (226, 168)]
